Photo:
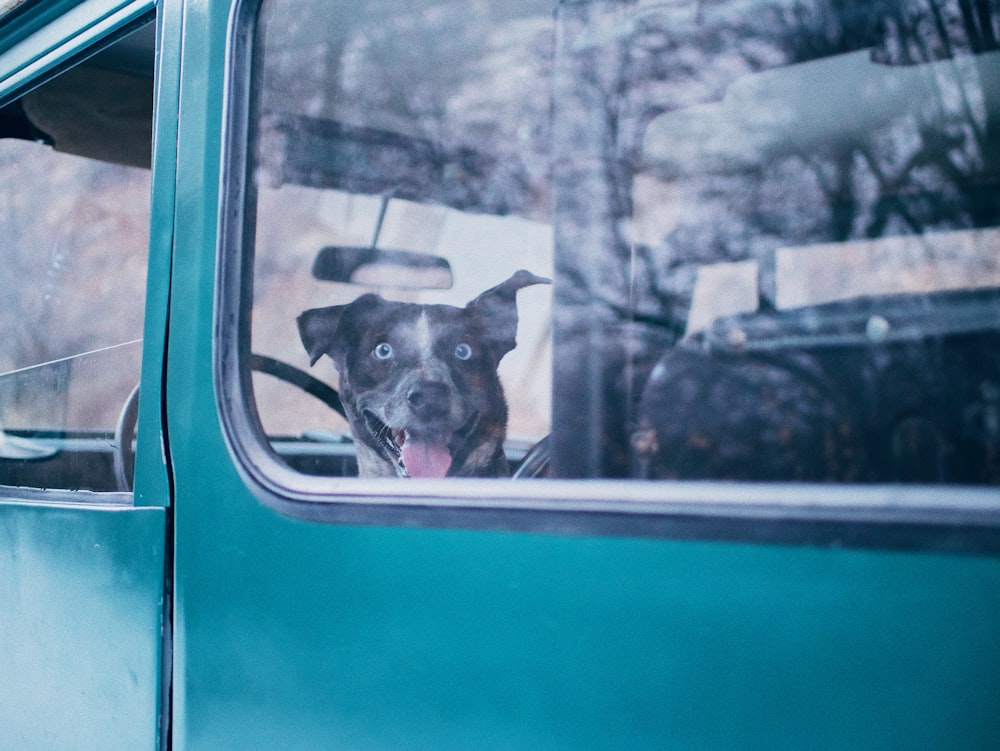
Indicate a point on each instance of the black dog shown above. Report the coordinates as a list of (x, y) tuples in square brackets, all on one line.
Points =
[(419, 382)]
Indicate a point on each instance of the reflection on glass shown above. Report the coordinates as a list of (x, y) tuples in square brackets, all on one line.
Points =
[(76, 233), (772, 224)]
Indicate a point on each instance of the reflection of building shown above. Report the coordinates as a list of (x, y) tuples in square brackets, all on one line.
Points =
[(964, 259), (814, 274)]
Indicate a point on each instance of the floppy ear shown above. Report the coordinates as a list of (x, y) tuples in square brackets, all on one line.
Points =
[(318, 328), (497, 309)]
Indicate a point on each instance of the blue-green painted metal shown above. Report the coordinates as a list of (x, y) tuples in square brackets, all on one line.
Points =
[(27, 17), (309, 637), (79, 25), (81, 598), (83, 608), (152, 484), (297, 635)]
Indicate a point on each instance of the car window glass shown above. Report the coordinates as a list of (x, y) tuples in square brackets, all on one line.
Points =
[(320, 195), (74, 253), (771, 227)]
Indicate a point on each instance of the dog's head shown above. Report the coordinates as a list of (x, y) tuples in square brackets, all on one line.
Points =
[(419, 382)]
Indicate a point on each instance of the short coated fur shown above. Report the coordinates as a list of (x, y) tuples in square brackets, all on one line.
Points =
[(419, 383)]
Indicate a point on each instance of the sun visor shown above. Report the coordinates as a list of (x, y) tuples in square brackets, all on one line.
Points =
[(96, 113)]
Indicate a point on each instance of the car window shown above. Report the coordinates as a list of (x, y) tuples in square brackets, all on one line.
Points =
[(770, 227), (75, 245), (321, 203)]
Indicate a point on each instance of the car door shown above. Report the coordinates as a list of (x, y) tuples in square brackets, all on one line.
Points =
[(698, 577), (84, 498)]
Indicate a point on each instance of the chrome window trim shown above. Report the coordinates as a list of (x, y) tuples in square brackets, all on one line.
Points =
[(17, 494)]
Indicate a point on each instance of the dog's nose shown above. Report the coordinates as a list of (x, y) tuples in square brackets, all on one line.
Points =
[(428, 399)]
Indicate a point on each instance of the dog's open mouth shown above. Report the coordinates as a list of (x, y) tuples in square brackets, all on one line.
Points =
[(419, 456)]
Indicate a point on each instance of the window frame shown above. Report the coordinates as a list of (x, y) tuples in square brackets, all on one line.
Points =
[(936, 518), (45, 42), (80, 28)]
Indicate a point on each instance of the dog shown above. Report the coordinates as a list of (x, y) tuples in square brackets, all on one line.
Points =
[(419, 383)]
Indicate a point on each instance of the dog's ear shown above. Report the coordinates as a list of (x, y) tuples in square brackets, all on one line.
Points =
[(318, 330), (330, 330), (497, 308)]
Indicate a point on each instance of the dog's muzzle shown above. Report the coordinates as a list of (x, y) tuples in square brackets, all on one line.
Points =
[(421, 455)]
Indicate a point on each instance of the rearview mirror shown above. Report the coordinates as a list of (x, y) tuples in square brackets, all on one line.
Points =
[(379, 267)]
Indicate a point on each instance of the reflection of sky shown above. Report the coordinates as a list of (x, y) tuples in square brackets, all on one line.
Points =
[(841, 99)]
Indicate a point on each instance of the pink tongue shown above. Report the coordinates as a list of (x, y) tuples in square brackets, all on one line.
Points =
[(424, 459)]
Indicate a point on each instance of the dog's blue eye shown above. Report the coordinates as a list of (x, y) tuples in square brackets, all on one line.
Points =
[(382, 351), (463, 351)]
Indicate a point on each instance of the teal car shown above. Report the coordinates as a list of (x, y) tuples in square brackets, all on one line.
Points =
[(753, 424)]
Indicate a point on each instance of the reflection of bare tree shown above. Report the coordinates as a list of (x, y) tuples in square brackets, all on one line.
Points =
[(922, 158), (455, 76), (924, 163)]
